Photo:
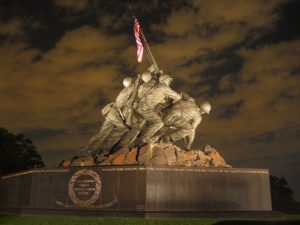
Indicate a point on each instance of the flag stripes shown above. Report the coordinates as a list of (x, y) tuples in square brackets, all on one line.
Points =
[(139, 44)]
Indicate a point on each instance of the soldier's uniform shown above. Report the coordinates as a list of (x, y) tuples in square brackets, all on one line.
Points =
[(184, 116), (113, 127), (137, 121), (146, 87), (148, 109), (118, 138)]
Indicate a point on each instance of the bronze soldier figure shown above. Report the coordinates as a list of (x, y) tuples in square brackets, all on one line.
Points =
[(114, 119), (137, 120), (129, 116), (184, 116), (148, 104)]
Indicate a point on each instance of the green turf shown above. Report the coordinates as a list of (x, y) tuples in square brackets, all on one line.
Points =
[(75, 220)]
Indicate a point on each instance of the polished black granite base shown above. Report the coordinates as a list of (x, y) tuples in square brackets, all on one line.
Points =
[(146, 191)]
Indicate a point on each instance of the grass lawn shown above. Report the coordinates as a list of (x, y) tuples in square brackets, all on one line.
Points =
[(76, 220)]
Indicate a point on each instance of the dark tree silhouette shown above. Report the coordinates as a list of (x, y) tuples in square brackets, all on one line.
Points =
[(282, 196), (17, 153)]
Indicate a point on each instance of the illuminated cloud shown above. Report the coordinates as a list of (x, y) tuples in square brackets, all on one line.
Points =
[(11, 28), (267, 91), (63, 88)]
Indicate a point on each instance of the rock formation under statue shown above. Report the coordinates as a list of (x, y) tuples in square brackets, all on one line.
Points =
[(161, 154)]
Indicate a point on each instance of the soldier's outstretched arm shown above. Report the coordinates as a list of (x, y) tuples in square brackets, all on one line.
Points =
[(172, 94)]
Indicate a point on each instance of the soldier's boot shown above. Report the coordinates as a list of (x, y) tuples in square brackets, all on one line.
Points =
[(168, 140), (159, 134)]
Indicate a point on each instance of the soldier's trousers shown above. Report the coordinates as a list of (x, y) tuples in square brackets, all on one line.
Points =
[(129, 137), (112, 123), (183, 129), (113, 138), (153, 124)]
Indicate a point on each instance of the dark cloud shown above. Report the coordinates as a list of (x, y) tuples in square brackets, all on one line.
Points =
[(285, 29), (230, 110), (267, 137), (75, 6)]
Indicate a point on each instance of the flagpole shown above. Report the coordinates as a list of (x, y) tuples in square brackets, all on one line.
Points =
[(149, 51)]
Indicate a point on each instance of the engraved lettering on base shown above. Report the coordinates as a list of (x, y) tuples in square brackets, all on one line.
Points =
[(85, 187)]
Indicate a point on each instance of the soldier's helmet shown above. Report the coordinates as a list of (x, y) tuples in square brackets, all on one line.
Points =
[(205, 107), (165, 78), (127, 81), (146, 76)]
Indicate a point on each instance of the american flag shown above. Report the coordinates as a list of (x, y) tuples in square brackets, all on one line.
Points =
[(140, 48)]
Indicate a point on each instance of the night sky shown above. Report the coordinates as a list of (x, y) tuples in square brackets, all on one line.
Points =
[(61, 61)]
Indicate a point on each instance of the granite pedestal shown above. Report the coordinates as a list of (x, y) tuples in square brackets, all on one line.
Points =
[(145, 191)]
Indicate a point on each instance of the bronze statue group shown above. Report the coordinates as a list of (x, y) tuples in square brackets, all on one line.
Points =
[(146, 111)]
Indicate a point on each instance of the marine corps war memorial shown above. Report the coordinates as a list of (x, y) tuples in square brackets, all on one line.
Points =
[(133, 165)]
